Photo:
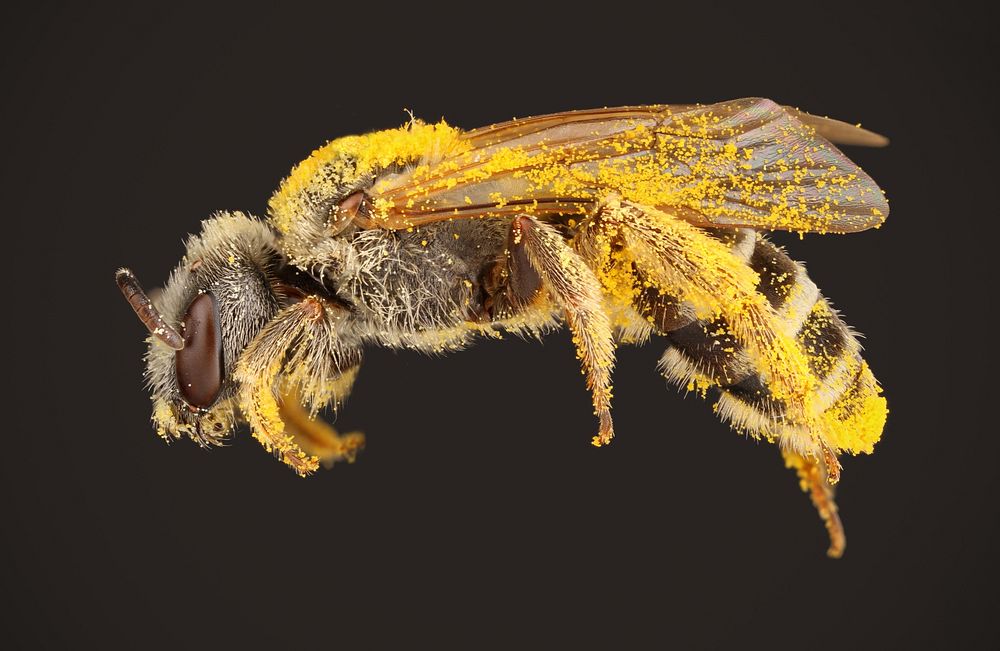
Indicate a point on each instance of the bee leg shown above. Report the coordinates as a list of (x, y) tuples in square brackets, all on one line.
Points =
[(509, 285), (297, 348), (677, 260), (813, 479), (315, 436), (578, 293)]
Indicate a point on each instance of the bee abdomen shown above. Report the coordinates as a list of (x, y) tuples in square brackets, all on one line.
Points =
[(705, 354)]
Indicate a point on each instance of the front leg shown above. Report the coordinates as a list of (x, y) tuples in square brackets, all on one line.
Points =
[(299, 351), (578, 293), (315, 436)]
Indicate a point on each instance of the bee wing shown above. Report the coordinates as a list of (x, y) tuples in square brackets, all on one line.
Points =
[(839, 133), (748, 163), (836, 131)]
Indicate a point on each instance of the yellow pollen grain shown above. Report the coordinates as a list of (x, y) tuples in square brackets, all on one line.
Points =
[(354, 157)]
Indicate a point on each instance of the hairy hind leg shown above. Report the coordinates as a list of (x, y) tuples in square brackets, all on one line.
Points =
[(624, 241)]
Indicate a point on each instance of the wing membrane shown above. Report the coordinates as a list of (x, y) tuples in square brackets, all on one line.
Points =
[(746, 163), (840, 133)]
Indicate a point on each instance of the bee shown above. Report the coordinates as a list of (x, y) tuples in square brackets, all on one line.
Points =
[(620, 223)]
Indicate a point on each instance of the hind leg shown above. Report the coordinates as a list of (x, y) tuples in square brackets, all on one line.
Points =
[(814, 480), (634, 246)]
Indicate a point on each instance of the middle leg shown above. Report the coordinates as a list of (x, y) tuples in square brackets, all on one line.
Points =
[(539, 257)]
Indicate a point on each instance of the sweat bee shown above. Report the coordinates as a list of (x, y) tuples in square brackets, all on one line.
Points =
[(620, 223)]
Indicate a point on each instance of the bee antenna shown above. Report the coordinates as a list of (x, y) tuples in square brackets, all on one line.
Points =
[(144, 309)]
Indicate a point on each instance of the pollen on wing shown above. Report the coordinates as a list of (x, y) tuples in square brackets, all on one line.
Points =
[(693, 160)]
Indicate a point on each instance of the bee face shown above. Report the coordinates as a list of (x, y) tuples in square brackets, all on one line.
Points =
[(220, 295)]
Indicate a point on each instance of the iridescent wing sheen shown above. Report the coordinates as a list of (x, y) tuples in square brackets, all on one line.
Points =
[(748, 163)]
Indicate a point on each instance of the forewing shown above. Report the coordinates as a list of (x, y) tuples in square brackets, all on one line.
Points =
[(745, 163)]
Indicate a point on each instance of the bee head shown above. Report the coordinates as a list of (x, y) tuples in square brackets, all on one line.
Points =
[(217, 299)]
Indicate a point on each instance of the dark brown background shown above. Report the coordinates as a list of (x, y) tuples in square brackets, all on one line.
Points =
[(479, 514)]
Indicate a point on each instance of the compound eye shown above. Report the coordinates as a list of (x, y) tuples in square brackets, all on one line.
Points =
[(199, 363)]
